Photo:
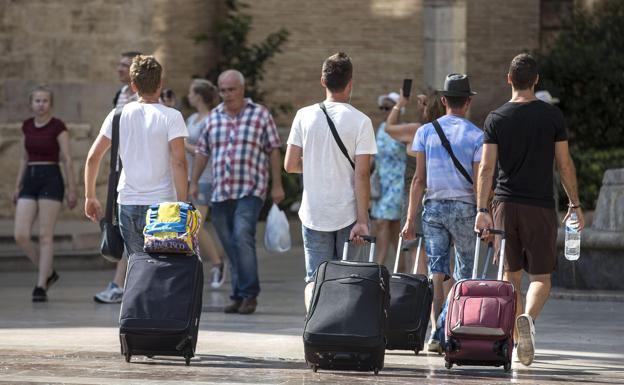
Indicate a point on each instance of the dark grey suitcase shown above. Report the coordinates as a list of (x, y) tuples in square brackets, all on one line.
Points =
[(161, 305), (411, 296), (345, 326)]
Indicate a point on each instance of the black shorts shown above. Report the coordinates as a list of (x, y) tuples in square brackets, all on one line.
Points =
[(42, 181)]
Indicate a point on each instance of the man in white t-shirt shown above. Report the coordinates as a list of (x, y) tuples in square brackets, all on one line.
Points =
[(114, 290), (336, 190), (151, 147)]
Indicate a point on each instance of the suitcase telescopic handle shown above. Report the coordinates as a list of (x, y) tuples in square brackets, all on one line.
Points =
[(367, 238), (501, 260), (401, 249)]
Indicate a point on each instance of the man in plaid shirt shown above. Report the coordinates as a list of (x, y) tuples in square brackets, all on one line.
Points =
[(242, 140)]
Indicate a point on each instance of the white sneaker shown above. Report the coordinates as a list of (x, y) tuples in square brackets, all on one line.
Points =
[(434, 346), (217, 274), (526, 339), (112, 294)]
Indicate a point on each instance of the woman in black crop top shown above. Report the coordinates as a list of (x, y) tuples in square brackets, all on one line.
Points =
[(39, 187)]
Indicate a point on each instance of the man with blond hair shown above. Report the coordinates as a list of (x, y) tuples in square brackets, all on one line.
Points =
[(151, 148), (242, 140)]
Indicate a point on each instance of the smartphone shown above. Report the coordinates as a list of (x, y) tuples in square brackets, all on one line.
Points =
[(407, 87)]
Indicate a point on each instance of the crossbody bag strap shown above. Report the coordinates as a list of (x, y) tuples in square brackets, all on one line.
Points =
[(115, 169), (447, 147), (332, 127)]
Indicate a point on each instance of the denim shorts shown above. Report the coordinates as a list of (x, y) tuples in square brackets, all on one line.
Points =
[(447, 222), (320, 246), (131, 224)]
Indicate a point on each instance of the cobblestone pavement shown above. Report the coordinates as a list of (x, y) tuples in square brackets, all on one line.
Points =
[(72, 340)]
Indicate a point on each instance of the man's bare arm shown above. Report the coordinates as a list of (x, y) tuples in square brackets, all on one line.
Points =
[(486, 174), (417, 187), (293, 161), (93, 210), (484, 185), (565, 165), (277, 191)]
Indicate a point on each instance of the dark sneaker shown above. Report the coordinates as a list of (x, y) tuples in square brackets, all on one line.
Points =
[(52, 279), (112, 294), (217, 273), (233, 307), (39, 294), (248, 306)]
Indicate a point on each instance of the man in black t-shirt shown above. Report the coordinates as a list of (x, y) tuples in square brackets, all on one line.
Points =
[(525, 135)]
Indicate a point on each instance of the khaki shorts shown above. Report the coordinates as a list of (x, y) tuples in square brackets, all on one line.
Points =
[(531, 236)]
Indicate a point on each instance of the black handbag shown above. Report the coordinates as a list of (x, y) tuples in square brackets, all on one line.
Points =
[(112, 244)]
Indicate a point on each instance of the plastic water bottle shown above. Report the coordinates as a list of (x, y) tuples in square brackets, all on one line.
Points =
[(572, 239)]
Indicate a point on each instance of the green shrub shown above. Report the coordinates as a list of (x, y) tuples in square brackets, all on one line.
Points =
[(590, 168), (236, 52), (585, 69)]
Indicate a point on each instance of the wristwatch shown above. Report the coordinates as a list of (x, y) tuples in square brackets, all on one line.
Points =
[(483, 210)]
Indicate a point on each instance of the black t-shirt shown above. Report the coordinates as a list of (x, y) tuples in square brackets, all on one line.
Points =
[(525, 134)]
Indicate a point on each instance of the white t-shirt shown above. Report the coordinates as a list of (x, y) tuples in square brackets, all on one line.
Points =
[(328, 202), (145, 130)]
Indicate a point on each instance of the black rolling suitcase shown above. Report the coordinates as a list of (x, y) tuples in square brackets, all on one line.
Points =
[(411, 296), (346, 323), (161, 305)]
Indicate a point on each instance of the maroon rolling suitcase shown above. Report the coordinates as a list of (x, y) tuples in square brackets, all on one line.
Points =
[(481, 318)]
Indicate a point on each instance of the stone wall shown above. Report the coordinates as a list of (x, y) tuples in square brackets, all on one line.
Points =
[(73, 46), (496, 32), (389, 40), (600, 263), (383, 37)]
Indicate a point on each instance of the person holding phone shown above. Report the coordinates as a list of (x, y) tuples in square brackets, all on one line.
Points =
[(389, 164), (428, 107)]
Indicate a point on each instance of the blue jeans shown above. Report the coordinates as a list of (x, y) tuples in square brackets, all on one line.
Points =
[(320, 246), (131, 224), (235, 221), (446, 221)]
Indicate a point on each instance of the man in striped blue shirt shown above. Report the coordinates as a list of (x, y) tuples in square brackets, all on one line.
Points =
[(449, 201)]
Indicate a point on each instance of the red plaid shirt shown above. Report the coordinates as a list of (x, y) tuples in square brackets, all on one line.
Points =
[(239, 147)]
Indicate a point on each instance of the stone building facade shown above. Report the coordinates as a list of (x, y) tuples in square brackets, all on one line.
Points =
[(73, 46)]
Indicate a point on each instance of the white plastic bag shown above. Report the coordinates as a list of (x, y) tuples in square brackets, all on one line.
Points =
[(277, 232)]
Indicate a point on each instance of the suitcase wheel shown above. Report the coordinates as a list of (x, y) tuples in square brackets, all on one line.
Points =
[(187, 359), (149, 356), (416, 351), (376, 370), (128, 356), (448, 364), (314, 368), (507, 366)]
